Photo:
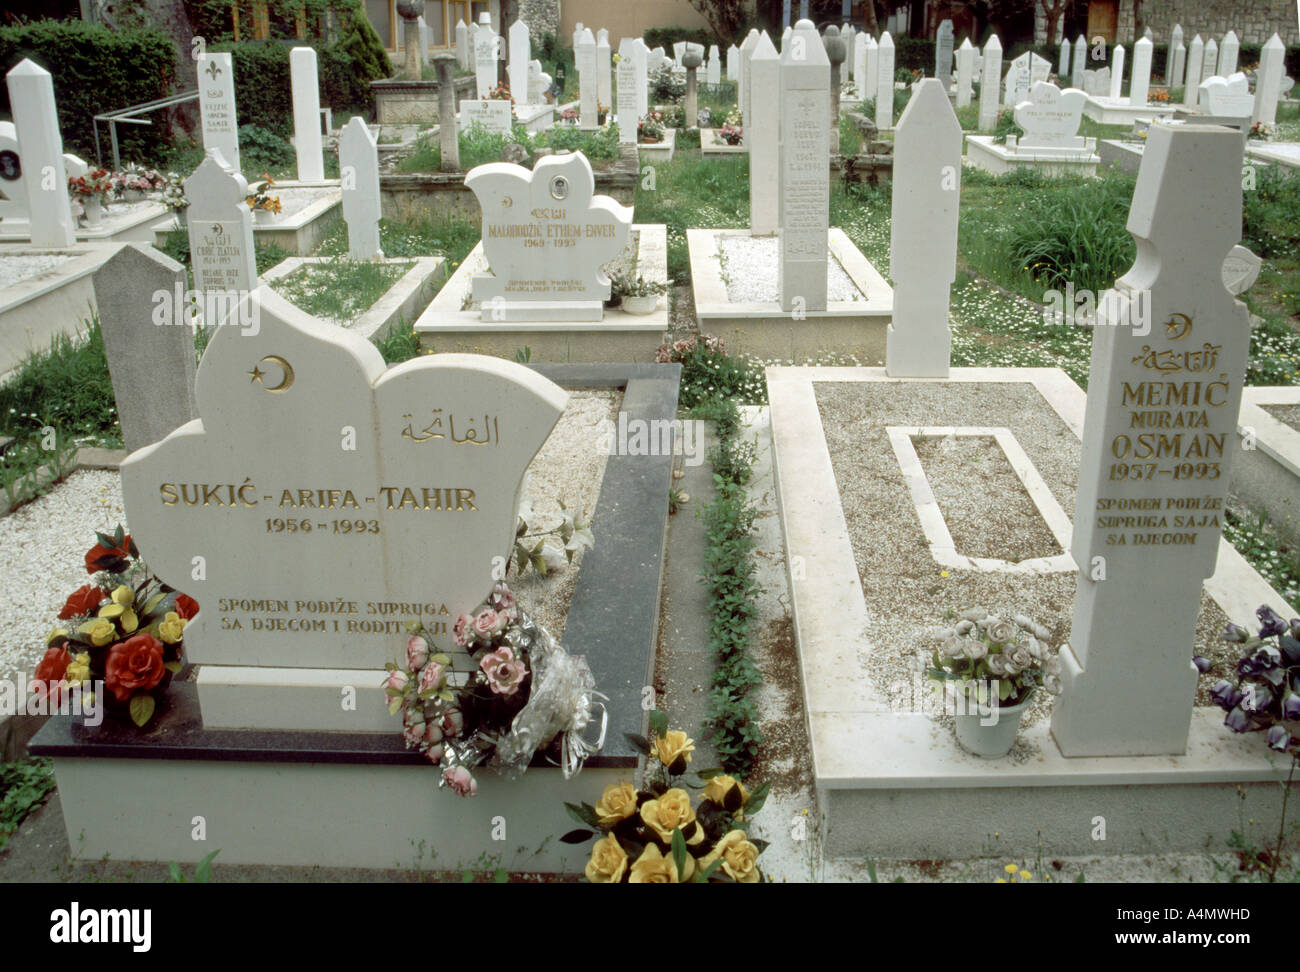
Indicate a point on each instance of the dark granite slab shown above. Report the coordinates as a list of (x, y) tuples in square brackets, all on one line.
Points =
[(613, 621)]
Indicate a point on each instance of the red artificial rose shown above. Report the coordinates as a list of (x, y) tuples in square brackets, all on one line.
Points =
[(136, 663), (83, 600), (186, 606), (49, 673), (99, 555)]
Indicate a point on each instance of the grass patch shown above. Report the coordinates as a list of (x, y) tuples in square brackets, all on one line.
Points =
[(479, 146), (339, 289), (65, 387), (690, 192), (24, 786), (1277, 560)]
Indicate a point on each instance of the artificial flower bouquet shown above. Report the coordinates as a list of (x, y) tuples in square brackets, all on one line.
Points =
[(519, 693), (1267, 692), (134, 180), (500, 93), (655, 836), (260, 198), (95, 184), (121, 634), (983, 649)]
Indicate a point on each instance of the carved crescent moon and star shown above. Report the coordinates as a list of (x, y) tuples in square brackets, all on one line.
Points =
[(257, 375)]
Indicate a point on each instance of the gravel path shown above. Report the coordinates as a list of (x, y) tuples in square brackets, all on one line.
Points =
[(17, 268), (749, 267), (41, 549)]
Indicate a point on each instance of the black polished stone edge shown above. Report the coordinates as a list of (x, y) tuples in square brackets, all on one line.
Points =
[(612, 620)]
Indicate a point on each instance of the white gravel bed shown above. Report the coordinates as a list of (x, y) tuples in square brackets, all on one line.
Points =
[(1286, 414), (14, 269), (42, 546), (749, 267)]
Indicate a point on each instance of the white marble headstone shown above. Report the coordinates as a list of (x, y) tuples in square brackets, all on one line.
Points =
[(1051, 117), (494, 116), (546, 236), (486, 53), (1229, 97), (517, 69), (13, 179), (359, 177), (219, 122), (306, 114), (804, 212), (221, 233)]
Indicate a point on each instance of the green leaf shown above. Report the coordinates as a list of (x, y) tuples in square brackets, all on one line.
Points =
[(871, 871), (142, 706), (178, 876), (203, 872), (679, 851), (501, 876), (640, 743), (706, 873), (658, 723), (153, 602), (710, 773), (583, 813), (172, 666), (579, 836), (757, 798)]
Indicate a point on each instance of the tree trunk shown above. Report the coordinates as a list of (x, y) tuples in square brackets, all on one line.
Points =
[(871, 23), (1053, 13)]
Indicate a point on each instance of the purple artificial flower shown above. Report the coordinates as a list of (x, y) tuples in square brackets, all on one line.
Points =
[(1265, 661), (1202, 663), (1225, 694), (1236, 634), (1279, 739), (1239, 721), (1291, 707), (1269, 622)]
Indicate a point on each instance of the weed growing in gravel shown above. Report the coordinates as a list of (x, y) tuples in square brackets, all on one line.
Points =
[(24, 785), (339, 289), (1277, 560)]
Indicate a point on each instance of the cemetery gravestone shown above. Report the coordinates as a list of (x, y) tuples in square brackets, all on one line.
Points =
[(1149, 510), (359, 169), (1195, 61), (642, 78), (713, 74), (260, 487), (604, 81), (804, 199), (989, 84), (546, 236), (733, 63), (1080, 61), (885, 91), (520, 54), (13, 187), (585, 58), (923, 241), (1228, 52), (485, 56), (220, 227), (147, 342), (627, 92), (1268, 81), (943, 54), (1210, 62), (763, 139), (870, 83), (1139, 85), (742, 92), (306, 115), (1063, 64), (1051, 118), (1175, 60), (965, 72), (462, 45), (217, 107), (1117, 73), (494, 116), (36, 120), (1228, 97)]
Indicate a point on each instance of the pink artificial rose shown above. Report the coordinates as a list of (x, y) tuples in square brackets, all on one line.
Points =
[(396, 680), (504, 674), (461, 780), (489, 623), (452, 723), (431, 676), (414, 734), (433, 735), (433, 754), (417, 653), (463, 630), (502, 597)]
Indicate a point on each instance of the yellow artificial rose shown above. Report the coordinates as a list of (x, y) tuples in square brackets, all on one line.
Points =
[(739, 857), (100, 631), (171, 629), (655, 867), (618, 802), (670, 812), (673, 744), (54, 635), (79, 670), (608, 862), (721, 787), (120, 606)]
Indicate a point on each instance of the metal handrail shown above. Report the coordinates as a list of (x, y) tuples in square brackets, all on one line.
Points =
[(128, 116)]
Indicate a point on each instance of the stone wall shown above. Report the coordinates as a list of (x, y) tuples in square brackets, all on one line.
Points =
[(541, 16), (1255, 21)]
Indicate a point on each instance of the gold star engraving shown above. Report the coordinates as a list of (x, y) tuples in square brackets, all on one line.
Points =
[(256, 373)]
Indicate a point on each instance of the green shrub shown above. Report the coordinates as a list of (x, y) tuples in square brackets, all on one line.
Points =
[(666, 37), (261, 149), (1270, 213), (96, 70)]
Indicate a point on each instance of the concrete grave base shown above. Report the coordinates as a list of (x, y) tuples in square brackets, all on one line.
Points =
[(451, 323), (355, 797), (983, 153), (659, 151), (891, 783), (36, 309), (1122, 155), (1267, 477), (298, 231), (1118, 111), (1281, 153), (763, 329), (711, 145), (122, 222), (404, 301)]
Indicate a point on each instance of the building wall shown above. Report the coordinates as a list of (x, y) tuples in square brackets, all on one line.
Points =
[(627, 18), (1255, 21)]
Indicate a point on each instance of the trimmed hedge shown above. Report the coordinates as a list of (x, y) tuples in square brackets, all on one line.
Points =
[(96, 70), (665, 37)]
